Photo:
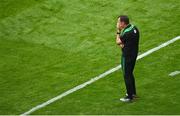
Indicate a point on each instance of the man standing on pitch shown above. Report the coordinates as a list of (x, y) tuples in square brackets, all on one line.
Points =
[(128, 39)]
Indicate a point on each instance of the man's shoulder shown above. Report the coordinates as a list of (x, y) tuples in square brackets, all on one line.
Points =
[(131, 32), (135, 30)]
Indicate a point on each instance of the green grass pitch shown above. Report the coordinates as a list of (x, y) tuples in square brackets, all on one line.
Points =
[(49, 46)]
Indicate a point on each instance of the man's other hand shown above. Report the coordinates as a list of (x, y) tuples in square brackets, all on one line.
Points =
[(121, 45)]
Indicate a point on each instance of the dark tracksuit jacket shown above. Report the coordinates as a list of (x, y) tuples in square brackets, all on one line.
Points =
[(130, 38)]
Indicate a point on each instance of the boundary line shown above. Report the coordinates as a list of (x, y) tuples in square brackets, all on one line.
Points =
[(172, 74), (92, 80)]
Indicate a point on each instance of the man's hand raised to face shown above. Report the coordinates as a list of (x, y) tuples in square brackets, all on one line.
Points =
[(118, 40), (118, 25)]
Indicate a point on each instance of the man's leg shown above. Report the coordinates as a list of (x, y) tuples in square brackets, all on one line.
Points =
[(128, 80), (123, 64), (133, 79), (134, 85), (129, 77)]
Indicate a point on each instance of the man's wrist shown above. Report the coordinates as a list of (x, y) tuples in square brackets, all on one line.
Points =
[(118, 30), (120, 44)]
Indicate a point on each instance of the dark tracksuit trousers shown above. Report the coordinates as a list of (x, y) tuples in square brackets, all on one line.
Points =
[(128, 63)]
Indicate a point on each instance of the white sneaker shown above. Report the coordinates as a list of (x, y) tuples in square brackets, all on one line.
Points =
[(125, 99)]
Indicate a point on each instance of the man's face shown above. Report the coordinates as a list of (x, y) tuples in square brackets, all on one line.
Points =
[(121, 24)]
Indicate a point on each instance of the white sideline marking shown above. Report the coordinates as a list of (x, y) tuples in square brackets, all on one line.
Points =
[(174, 73), (96, 78)]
